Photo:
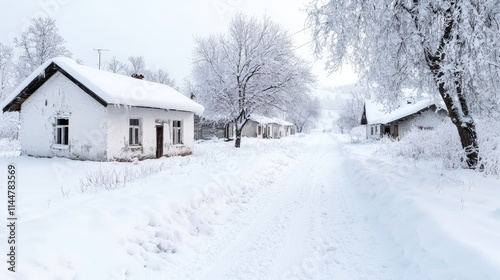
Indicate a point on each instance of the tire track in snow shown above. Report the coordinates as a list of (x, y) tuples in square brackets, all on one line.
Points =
[(305, 225), (257, 250)]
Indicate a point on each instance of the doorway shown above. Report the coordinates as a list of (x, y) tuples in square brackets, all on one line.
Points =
[(159, 141)]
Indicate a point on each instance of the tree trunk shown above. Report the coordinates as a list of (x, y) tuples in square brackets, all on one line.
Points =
[(237, 141), (459, 115), (464, 123)]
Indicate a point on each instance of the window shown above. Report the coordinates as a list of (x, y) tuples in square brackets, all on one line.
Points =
[(133, 132), (62, 131), (176, 132), (229, 130)]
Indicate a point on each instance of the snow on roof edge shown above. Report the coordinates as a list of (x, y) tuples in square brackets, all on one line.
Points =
[(115, 88), (376, 115), (266, 120)]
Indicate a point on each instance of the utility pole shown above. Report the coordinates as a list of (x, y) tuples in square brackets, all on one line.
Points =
[(99, 51)]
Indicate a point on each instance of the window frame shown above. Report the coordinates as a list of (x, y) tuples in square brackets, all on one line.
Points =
[(62, 131), (177, 132), (134, 132)]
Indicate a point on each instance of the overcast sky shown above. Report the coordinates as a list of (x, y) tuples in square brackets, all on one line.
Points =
[(161, 31)]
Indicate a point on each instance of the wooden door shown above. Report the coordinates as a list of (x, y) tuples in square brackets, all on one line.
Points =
[(159, 141), (396, 131)]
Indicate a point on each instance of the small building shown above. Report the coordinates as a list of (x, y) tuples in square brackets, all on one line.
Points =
[(264, 127), (205, 129), (423, 114), (78, 112)]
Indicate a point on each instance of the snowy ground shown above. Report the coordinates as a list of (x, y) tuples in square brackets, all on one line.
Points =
[(303, 207)]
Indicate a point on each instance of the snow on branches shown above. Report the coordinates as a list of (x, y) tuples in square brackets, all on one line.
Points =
[(250, 70), (448, 48)]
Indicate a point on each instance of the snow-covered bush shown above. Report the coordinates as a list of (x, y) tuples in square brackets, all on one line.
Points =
[(489, 146), (442, 143), (9, 125), (357, 134), (114, 178)]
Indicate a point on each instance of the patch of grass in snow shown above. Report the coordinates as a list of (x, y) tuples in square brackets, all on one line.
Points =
[(114, 178)]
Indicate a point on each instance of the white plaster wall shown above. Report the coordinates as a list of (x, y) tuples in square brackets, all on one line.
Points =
[(118, 132), (250, 129), (428, 118), (59, 97), (376, 131)]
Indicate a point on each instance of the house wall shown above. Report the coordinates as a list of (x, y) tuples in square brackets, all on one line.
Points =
[(250, 129), (59, 97), (428, 119), (208, 130), (375, 128), (118, 132), (275, 130)]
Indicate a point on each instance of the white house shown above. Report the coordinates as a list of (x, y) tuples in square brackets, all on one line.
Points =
[(423, 114), (264, 127), (69, 110)]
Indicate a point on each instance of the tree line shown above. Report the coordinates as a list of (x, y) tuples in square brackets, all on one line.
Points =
[(41, 42), (250, 70)]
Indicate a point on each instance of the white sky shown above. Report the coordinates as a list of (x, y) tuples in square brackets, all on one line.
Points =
[(161, 31)]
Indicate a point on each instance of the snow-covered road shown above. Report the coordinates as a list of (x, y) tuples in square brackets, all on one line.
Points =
[(306, 224), (302, 207)]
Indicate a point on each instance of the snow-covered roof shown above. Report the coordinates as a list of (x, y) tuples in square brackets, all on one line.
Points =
[(282, 122), (375, 113), (106, 87), (266, 120)]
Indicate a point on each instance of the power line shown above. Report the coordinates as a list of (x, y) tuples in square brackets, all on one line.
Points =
[(297, 32), (303, 45)]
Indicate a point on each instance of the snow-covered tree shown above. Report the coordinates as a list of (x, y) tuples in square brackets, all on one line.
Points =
[(137, 65), (38, 44), (446, 47), (116, 66), (160, 76), (6, 70), (249, 70), (351, 112), (304, 114)]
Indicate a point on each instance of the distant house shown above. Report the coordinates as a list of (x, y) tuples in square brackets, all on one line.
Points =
[(69, 110), (265, 127), (423, 114), (207, 129)]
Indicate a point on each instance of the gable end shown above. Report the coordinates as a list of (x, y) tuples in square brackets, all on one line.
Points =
[(15, 104)]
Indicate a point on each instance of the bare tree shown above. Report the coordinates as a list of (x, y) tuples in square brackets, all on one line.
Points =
[(137, 65), (160, 76), (6, 70), (189, 89), (448, 48), (116, 66), (304, 114), (351, 112), (38, 44), (249, 70)]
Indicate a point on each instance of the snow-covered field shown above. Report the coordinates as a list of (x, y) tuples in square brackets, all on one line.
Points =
[(302, 207)]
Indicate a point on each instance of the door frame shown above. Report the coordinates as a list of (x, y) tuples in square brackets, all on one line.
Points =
[(159, 141)]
